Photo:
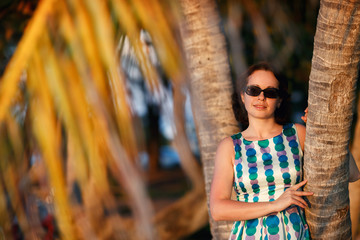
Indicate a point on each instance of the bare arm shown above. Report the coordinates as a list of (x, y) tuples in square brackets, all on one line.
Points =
[(221, 205), (301, 131)]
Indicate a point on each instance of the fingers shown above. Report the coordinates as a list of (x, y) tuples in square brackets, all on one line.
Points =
[(296, 198), (300, 202), (304, 118), (299, 185), (301, 193), (293, 196)]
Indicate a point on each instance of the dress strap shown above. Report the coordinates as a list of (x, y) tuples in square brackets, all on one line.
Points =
[(237, 138)]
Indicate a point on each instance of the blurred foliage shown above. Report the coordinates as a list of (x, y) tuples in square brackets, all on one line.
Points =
[(68, 145)]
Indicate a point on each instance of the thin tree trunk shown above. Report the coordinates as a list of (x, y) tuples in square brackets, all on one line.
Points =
[(234, 25), (211, 87), (192, 206), (331, 98)]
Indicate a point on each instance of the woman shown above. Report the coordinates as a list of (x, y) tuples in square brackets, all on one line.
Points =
[(263, 164)]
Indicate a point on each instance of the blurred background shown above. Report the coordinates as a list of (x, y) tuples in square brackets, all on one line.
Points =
[(88, 136)]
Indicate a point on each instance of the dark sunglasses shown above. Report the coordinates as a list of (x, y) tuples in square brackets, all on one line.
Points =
[(268, 92)]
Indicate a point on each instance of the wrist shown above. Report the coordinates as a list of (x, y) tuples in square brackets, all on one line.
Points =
[(273, 206)]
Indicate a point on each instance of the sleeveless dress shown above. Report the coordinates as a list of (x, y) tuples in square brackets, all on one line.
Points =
[(263, 170)]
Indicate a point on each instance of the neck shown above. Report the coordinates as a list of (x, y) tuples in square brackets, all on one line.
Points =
[(262, 129)]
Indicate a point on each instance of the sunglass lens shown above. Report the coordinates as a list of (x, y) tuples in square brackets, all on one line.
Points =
[(271, 93), (253, 91)]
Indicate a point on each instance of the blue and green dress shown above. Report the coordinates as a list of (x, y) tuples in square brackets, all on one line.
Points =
[(263, 170)]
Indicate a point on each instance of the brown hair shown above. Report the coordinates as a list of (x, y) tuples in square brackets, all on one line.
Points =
[(282, 114)]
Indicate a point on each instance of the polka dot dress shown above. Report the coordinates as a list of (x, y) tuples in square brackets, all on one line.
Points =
[(263, 170)]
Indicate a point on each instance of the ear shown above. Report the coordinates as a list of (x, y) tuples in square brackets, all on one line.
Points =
[(278, 103), (242, 97)]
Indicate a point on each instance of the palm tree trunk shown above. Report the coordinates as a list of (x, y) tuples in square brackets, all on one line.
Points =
[(331, 98), (210, 85)]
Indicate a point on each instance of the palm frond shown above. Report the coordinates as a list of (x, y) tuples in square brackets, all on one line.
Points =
[(78, 121)]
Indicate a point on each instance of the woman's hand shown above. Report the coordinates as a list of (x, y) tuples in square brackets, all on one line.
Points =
[(292, 196), (304, 118)]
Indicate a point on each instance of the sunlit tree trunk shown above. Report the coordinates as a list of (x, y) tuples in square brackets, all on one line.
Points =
[(211, 86), (331, 99)]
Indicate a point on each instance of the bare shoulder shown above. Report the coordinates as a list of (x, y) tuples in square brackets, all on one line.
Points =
[(225, 145), (225, 148), (301, 131), (226, 142)]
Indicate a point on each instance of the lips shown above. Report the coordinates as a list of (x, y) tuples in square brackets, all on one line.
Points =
[(259, 107)]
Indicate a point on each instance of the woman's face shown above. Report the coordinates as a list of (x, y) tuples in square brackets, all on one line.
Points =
[(261, 107)]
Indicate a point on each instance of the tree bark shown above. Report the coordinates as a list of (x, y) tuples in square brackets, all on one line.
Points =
[(331, 99), (210, 86)]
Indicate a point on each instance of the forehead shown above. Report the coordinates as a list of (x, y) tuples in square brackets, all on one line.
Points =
[(263, 79)]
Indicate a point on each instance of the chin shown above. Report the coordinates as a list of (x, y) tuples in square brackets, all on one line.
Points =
[(262, 115)]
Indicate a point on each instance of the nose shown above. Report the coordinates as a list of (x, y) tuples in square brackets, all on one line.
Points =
[(261, 96)]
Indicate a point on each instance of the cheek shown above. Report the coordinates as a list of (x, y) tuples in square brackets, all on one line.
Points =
[(247, 102), (274, 103)]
